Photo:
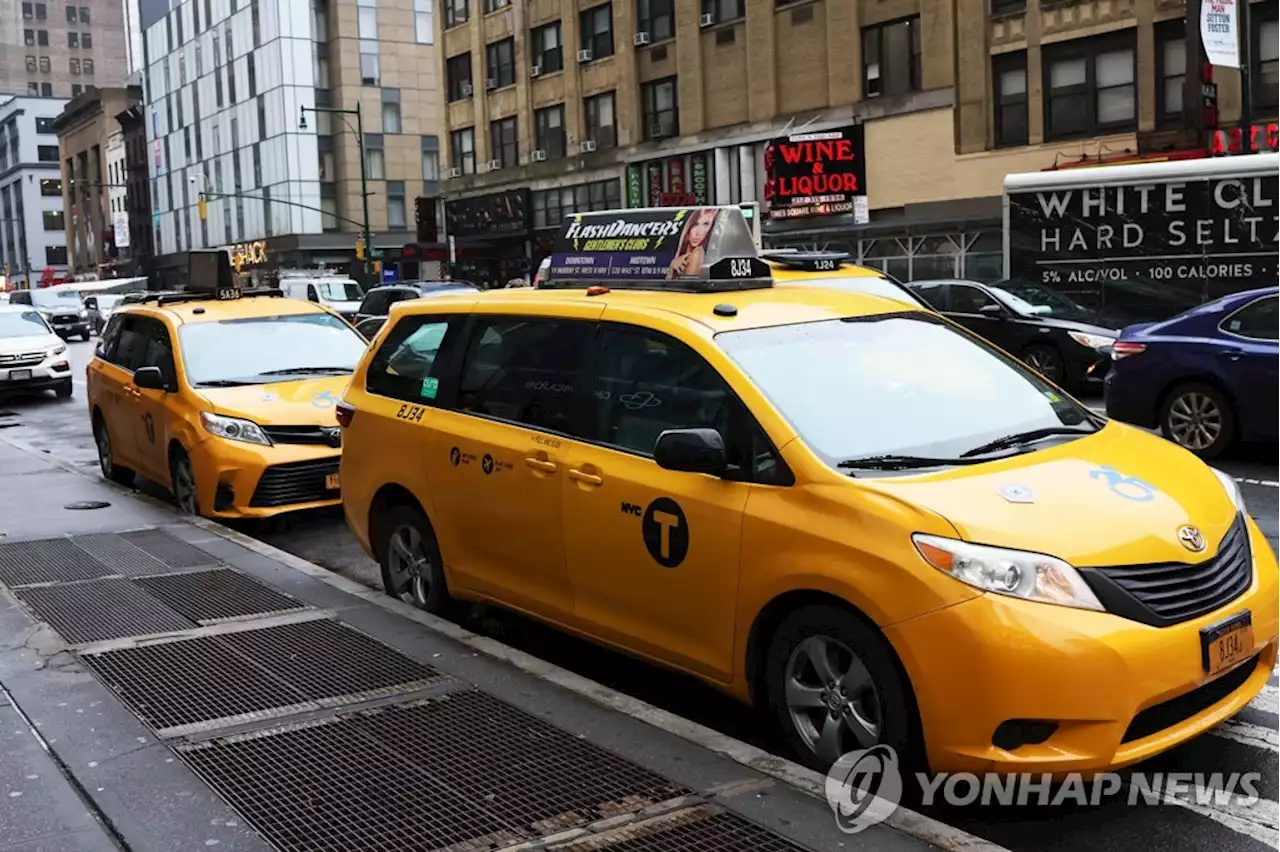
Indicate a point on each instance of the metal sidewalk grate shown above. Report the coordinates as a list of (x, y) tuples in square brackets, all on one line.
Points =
[(173, 552), (189, 681), (328, 787), (706, 829), (50, 560), (539, 778), (208, 596), (118, 555), (323, 659), (105, 609)]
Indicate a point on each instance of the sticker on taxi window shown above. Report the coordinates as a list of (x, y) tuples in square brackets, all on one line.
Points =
[(1052, 397), (430, 387), (1128, 487)]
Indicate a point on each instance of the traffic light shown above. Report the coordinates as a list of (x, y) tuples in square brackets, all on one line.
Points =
[(204, 209), (360, 249)]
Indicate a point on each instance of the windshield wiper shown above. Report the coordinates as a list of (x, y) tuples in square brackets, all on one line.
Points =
[(1019, 438), (893, 462), (302, 371), (225, 383)]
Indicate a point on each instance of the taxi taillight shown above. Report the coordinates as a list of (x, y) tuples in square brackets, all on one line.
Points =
[(345, 413)]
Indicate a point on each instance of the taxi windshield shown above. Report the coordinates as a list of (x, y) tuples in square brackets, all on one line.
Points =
[(22, 324), (259, 350), (900, 386), (339, 291)]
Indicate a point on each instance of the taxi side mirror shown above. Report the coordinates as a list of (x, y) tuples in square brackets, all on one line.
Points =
[(692, 450), (150, 378)]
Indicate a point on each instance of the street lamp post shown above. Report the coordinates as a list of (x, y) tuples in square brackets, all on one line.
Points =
[(367, 236)]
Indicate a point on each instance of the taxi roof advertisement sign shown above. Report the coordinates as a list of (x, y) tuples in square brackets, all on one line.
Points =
[(815, 174), (654, 244)]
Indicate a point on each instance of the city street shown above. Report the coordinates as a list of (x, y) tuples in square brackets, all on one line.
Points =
[(1247, 743)]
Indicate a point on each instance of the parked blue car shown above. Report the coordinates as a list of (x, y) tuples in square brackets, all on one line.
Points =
[(1207, 377)]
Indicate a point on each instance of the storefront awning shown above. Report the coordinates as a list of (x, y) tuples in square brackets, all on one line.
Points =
[(929, 217)]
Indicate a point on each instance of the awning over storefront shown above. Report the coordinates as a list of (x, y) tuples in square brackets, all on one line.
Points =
[(927, 217)]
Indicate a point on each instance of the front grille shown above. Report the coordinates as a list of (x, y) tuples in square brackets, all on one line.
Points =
[(65, 318), (296, 482), (1175, 711), (24, 359), (328, 436), (1167, 593)]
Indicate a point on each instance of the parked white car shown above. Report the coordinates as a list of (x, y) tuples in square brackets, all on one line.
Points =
[(32, 356), (336, 292)]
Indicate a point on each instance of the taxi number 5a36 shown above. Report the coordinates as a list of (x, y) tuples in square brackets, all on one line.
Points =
[(1226, 643), (412, 413)]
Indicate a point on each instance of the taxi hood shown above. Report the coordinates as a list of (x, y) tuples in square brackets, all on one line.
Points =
[(306, 402), (1117, 497)]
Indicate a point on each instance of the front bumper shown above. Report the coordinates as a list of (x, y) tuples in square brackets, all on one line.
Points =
[(70, 329), (239, 480), (49, 373), (993, 659)]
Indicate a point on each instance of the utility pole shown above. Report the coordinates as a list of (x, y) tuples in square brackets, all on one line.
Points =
[(358, 130), (1246, 77)]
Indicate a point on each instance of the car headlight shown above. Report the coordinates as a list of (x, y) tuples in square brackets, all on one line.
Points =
[(57, 350), (1231, 486), (1093, 341), (234, 429), (1017, 573), (84, 313)]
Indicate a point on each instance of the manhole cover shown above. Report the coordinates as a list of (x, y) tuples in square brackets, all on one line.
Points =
[(81, 505)]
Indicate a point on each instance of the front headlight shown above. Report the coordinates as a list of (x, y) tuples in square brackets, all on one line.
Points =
[(1232, 488), (1093, 341), (84, 313), (57, 350), (234, 429), (1017, 573)]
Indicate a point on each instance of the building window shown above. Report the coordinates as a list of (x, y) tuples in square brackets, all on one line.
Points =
[(597, 30), (395, 204), (601, 125), (44, 125), (367, 22), (661, 109), (55, 255), (462, 150), (1266, 56), (503, 143), (891, 58), (46, 63), (76, 90), (369, 72), (424, 22), (1090, 86), (1009, 74), (42, 38), (723, 11), (51, 188), (74, 66), (31, 64), (42, 12), (251, 68), (47, 153), (1171, 70), (495, 5), (87, 65), (29, 38), (391, 111), (548, 126), (71, 14), (456, 12), (548, 49), (28, 11), (328, 207), (430, 159), (84, 14), (457, 72), (657, 18), (375, 159), (86, 40), (500, 63), (54, 221), (550, 206)]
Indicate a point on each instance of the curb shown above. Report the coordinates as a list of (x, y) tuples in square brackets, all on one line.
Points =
[(902, 819)]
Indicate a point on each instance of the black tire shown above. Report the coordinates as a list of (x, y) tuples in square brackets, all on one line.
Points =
[(1047, 361), (85, 337), (63, 390), (1199, 418), (106, 456), (412, 567), (894, 708), (182, 483)]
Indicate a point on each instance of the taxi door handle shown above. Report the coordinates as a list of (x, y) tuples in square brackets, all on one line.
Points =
[(585, 478), (541, 464)]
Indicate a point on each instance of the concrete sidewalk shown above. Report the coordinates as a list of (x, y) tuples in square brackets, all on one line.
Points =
[(171, 685)]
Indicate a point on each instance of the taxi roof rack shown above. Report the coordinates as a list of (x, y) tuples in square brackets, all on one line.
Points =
[(808, 261), (176, 298)]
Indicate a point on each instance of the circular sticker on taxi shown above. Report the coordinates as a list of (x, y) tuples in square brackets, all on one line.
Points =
[(1016, 493)]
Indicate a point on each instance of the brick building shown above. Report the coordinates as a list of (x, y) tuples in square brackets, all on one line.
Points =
[(57, 50), (554, 106)]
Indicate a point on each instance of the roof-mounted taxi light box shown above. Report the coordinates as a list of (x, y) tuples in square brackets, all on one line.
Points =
[(687, 249), (210, 276), (808, 261)]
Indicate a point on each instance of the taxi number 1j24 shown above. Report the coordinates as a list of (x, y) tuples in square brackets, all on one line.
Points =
[(1226, 643), (412, 413)]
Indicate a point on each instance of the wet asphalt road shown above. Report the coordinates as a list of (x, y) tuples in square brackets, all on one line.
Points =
[(1248, 743)]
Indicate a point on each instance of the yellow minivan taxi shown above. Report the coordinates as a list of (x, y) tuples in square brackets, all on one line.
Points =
[(851, 512), (228, 403)]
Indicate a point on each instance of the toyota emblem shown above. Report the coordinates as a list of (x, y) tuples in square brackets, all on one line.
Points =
[(333, 436), (1191, 537)]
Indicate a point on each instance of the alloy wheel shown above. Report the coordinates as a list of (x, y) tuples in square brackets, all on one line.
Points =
[(831, 698), (184, 487), (103, 440), (409, 565), (1195, 420), (1043, 362)]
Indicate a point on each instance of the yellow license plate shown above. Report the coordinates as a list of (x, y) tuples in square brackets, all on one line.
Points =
[(1226, 643), (331, 481)]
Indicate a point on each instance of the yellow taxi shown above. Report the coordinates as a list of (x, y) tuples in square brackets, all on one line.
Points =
[(833, 269), (225, 397), (848, 511)]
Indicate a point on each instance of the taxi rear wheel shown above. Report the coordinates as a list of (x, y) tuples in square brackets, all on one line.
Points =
[(834, 687), (183, 483), (412, 568), (106, 457)]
